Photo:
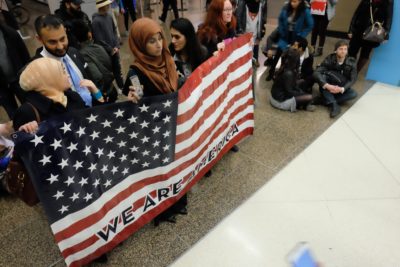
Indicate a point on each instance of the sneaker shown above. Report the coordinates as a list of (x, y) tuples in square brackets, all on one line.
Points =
[(311, 108), (335, 110)]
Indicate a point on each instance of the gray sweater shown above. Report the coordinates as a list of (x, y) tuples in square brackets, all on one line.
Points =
[(104, 31)]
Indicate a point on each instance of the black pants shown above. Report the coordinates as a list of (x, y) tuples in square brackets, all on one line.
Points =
[(337, 98), (116, 65), (129, 11), (10, 20), (174, 6), (275, 61), (7, 98), (357, 44), (320, 26), (306, 84), (256, 48), (272, 39)]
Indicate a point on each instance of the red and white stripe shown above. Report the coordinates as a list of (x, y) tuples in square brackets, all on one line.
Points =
[(217, 95)]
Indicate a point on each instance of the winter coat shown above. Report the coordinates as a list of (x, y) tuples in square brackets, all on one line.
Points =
[(304, 25), (348, 69)]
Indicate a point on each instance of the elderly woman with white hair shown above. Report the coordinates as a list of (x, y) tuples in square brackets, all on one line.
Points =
[(48, 92)]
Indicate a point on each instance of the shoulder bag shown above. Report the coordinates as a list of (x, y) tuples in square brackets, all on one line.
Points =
[(16, 177), (374, 33)]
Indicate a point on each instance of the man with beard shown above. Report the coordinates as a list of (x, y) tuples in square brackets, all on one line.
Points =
[(69, 11), (52, 35)]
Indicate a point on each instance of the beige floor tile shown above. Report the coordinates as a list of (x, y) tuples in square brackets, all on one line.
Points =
[(261, 235), (343, 168), (375, 121), (367, 232)]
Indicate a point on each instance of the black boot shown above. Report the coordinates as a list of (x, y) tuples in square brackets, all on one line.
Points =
[(165, 216), (335, 110), (102, 259)]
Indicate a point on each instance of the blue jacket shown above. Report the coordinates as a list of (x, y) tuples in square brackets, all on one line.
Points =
[(303, 27)]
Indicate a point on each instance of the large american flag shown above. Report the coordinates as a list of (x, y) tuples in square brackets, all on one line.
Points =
[(104, 172)]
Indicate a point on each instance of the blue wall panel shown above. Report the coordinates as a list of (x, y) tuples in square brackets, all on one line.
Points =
[(385, 62)]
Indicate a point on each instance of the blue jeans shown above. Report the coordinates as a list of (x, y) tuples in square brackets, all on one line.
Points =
[(337, 98)]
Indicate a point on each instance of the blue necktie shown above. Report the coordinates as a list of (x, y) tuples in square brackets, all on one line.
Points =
[(82, 91)]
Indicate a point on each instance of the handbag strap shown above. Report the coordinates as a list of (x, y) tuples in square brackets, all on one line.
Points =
[(370, 10), (36, 112)]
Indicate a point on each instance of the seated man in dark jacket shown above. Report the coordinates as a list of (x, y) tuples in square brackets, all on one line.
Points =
[(335, 76)]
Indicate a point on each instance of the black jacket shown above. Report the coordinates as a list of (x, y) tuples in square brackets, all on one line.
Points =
[(98, 62), (76, 57), (149, 89), (307, 66), (17, 51), (382, 12), (180, 65), (347, 69), (284, 86), (211, 44), (45, 106)]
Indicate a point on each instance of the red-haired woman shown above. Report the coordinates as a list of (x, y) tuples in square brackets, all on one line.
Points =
[(218, 29), (220, 25)]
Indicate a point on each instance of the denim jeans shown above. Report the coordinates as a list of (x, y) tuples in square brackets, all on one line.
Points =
[(337, 98)]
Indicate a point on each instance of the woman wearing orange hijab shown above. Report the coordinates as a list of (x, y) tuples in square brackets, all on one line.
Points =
[(152, 73), (153, 69)]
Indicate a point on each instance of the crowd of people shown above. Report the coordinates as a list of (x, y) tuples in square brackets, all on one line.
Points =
[(78, 64)]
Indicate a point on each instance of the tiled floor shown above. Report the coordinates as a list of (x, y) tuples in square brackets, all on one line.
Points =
[(318, 195), (341, 194)]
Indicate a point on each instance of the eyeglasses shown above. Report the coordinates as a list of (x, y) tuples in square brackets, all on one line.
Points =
[(228, 10)]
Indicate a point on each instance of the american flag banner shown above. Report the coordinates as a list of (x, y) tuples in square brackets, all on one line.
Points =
[(104, 172)]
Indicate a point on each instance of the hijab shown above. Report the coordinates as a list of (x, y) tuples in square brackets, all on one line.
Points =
[(163, 75), (45, 76)]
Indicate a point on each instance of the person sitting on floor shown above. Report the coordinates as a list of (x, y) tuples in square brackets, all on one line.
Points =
[(305, 80), (285, 93), (335, 76)]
